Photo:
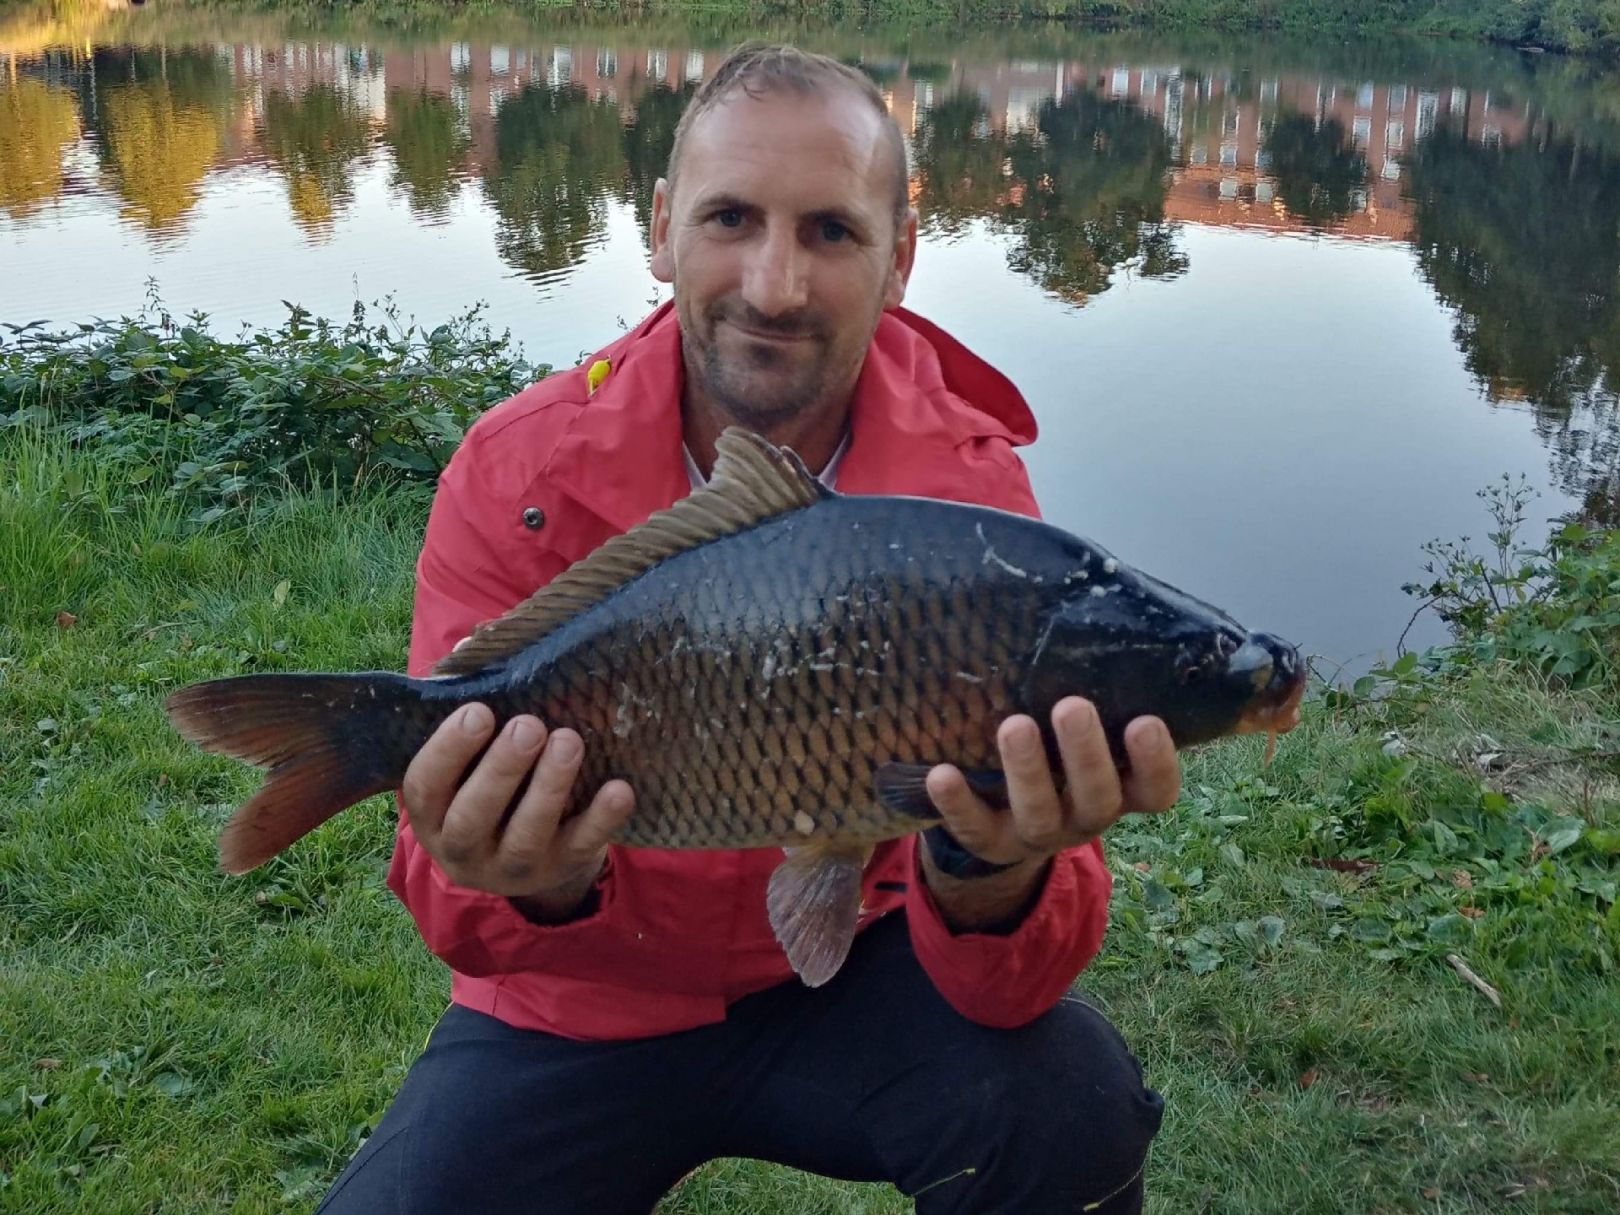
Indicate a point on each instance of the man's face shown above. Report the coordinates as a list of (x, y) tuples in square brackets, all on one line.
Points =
[(782, 244)]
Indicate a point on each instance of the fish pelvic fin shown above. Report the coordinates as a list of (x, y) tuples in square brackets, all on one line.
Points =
[(753, 480), (814, 904), (324, 739)]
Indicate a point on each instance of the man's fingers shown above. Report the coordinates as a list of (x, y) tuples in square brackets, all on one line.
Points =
[(436, 770), (587, 834), (1037, 808), (476, 811), (983, 831), (1088, 765), (1154, 782), (533, 825)]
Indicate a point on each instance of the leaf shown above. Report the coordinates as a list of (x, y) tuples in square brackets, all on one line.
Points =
[(1445, 839), (1370, 930), (1448, 929), (141, 475), (1271, 929), (1201, 959), (1156, 896), (1232, 855), (171, 1084), (1307, 1077), (1327, 901), (66, 620), (1564, 833), (279, 595)]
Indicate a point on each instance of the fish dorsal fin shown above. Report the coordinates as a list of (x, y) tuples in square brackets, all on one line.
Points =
[(753, 480)]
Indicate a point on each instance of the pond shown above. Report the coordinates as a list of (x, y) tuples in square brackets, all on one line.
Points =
[(1282, 309)]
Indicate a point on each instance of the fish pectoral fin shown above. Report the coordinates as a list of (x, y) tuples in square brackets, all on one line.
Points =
[(814, 903), (903, 788)]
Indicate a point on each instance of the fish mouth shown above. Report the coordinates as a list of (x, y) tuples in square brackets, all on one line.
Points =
[(1277, 675), (1275, 715)]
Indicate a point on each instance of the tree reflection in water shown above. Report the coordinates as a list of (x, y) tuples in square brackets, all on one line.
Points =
[(429, 142), (1083, 191), (37, 123), (159, 119), (313, 139), (1316, 167), (1522, 243), (558, 156)]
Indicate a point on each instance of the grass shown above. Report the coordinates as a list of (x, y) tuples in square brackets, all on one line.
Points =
[(175, 1040)]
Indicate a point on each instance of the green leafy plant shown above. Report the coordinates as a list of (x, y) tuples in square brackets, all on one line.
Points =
[(310, 401), (1556, 607)]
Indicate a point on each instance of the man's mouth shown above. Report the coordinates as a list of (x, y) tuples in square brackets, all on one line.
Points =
[(771, 335)]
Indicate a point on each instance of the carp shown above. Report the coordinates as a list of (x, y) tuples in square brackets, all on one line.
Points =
[(771, 664)]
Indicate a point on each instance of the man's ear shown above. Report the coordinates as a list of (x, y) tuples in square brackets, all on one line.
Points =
[(663, 257), (905, 256)]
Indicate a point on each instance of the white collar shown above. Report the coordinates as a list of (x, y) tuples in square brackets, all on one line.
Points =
[(827, 477)]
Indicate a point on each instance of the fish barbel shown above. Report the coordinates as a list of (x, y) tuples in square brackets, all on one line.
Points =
[(772, 664)]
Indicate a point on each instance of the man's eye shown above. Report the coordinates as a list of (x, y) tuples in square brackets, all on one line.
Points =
[(832, 230), (729, 218)]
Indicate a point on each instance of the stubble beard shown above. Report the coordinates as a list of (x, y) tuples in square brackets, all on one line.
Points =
[(750, 394)]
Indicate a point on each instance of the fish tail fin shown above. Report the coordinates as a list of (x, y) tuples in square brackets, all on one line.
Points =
[(814, 904), (327, 741)]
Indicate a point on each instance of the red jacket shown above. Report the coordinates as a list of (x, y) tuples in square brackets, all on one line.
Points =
[(679, 934)]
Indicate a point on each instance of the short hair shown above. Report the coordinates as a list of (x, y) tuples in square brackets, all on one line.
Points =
[(757, 68)]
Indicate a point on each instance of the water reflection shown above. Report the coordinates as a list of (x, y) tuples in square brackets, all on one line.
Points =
[(1521, 240), (1082, 187), (558, 156), (37, 125), (1085, 167), (428, 141), (648, 137), (313, 139), (1318, 171), (158, 117)]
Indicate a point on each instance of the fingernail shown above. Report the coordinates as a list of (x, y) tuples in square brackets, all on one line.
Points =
[(1079, 712), (526, 733), (1022, 743), (565, 747), (474, 719)]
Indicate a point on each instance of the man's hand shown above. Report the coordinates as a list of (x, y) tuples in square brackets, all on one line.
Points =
[(546, 866), (1041, 821)]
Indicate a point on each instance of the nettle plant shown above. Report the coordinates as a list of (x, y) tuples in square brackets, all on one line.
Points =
[(308, 402), (1556, 607)]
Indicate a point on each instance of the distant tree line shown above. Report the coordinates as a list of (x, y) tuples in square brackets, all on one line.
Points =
[(1582, 26)]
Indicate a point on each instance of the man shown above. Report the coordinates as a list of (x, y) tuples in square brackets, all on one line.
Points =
[(621, 1015)]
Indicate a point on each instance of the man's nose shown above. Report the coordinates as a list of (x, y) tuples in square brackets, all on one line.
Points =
[(777, 276)]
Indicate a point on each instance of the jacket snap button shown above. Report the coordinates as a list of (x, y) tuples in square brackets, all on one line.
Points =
[(534, 518)]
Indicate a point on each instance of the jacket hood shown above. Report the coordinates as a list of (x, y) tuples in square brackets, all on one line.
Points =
[(968, 377)]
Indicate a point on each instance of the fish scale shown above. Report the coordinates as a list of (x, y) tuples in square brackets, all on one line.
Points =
[(770, 664), (796, 653)]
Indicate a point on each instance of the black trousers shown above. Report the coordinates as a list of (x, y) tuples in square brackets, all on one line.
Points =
[(872, 1077)]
